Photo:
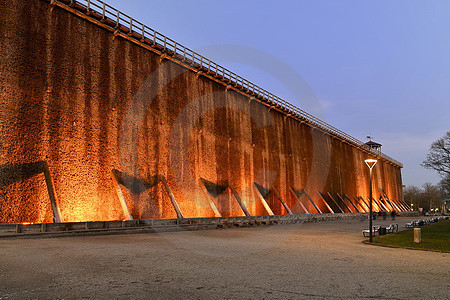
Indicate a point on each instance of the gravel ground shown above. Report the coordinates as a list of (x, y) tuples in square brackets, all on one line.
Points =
[(303, 261)]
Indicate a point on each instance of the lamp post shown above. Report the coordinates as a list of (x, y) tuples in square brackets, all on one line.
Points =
[(370, 163)]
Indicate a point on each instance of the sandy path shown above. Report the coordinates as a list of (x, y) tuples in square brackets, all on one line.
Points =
[(317, 260)]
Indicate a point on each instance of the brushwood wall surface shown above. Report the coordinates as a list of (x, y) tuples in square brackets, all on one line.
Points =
[(81, 102)]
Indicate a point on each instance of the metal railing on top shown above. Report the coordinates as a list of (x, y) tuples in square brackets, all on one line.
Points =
[(123, 23)]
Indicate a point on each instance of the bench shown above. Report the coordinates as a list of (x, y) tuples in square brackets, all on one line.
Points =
[(375, 230), (392, 228)]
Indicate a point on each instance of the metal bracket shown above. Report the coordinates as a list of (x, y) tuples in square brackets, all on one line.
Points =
[(199, 73), (163, 57)]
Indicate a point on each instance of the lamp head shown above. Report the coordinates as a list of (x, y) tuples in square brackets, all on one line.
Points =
[(371, 163)]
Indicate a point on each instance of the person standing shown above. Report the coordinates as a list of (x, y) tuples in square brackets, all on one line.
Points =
[(393, 213)]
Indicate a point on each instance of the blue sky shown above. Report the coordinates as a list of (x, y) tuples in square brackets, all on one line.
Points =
[(379, 68)]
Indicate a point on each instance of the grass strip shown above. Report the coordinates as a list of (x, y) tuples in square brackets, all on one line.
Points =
[(435, 237)]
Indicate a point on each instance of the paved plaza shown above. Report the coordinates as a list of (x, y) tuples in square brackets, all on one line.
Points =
[(325, 260)]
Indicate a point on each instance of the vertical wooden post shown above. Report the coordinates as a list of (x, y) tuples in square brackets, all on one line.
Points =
[(417, 235)]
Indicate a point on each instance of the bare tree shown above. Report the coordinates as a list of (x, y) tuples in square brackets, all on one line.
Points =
[(412, 196), (428, 197), (444, 184), (439, 156), (432, 196)]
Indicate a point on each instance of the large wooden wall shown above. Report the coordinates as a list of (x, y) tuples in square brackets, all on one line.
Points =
[(86, 103)]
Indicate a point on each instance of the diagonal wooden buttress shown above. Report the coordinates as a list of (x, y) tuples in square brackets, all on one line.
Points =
[(356, 209), (238, 198), (312, 201), (119, 191), (282, 201), (210, 199), (123, 202), (263, 201), (299, 201), (335, 202), (326, 203)]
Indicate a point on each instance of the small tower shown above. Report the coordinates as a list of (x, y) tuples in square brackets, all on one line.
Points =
[(373, 145)]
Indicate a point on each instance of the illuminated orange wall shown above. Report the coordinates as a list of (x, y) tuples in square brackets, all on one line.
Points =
[(86, 103)]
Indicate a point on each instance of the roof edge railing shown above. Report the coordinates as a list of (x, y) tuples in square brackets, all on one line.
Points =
[(121, 22)]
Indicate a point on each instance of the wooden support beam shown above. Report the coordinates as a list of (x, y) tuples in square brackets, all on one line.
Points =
[(391, 203), (380, 204), (400, 205), (282, 201), (312, 201), (172, 198), (342, 201), (120, 195), (238, 199), (359, 200), (217, 214), (263, 201), (325, 201), (299, 201), (356, 209), (374, 203), (335, 202), (51, 192), (405, 204), (385, 200)]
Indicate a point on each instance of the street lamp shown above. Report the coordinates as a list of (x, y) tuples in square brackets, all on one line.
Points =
[(370, 163)]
